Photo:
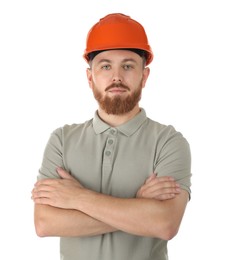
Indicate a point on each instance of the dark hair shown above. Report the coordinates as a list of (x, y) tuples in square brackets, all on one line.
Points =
[(140, 52)]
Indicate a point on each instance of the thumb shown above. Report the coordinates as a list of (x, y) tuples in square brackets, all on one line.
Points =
[(152, 176), (64, 174)]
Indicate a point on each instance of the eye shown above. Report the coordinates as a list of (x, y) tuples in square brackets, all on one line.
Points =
[(127, 67), (106, 67)]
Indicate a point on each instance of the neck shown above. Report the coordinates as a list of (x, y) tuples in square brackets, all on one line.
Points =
[(116, 120)]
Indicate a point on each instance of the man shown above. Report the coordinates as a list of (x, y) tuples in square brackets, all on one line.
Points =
[(115, 187)]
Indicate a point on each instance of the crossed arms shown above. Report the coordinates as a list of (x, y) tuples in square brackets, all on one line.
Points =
[(63, 207)]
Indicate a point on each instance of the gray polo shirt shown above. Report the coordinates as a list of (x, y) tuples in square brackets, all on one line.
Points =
[(117, 161)]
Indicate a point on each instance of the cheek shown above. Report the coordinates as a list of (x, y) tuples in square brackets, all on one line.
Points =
[(100, 82), (135, 82)]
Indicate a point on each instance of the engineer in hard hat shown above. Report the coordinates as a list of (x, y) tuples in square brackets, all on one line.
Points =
[(116, 186)]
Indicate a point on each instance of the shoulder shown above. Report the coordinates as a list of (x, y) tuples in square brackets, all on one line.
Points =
[(162, 131), (167, 138), (68, 130)]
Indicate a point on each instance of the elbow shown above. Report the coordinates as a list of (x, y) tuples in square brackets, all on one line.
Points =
[(43, 221), (165, 231), (41, 228), (169, 231)]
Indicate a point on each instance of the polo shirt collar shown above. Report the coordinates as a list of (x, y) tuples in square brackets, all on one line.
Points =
[(127, 128), (99, 125)]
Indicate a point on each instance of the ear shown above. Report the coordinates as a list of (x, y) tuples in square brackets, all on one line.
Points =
[(146, 73), (89, 76)]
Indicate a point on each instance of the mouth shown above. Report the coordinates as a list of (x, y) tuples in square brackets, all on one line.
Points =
[(118, 90)]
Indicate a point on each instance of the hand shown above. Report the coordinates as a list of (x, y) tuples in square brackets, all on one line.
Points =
[(160, 188), (61, 193)]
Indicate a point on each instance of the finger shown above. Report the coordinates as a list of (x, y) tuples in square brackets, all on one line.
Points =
[(41, 189), (164, 179), (41, 194), (154, 180), (43, 200), (152, 177), (166, 196), (162, 192), (159, 182), (161, 186), (64, 174), (48, 182)]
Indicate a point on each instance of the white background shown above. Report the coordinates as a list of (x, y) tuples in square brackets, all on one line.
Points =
[(43, 86)]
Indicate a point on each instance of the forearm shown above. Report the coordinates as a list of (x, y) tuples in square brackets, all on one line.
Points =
[(78, 211), (52, 221), (143, 217)]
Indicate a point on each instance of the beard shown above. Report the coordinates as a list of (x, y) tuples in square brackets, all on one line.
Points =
[(118, 105)]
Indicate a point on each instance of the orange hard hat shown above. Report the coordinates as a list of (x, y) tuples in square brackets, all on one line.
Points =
[(117, 31)]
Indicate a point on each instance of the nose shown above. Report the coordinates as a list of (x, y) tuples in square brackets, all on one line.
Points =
[(117, 78)]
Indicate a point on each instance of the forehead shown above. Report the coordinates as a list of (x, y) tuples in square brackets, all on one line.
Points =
[(117, 56)]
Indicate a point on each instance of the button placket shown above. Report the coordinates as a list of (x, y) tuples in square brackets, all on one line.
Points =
[(110, 141), (109, 147), (108, 158), (107, 153)]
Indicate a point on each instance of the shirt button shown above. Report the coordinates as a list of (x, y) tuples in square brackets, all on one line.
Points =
[(110, 141), (107, 153), (113, 131)]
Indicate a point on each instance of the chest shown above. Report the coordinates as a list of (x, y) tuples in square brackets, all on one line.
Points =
[(111, 163)]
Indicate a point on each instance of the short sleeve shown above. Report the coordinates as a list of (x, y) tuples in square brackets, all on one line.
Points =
[(174, 158), (52, 157)]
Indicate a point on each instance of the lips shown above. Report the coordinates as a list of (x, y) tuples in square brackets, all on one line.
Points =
[(117, 90)]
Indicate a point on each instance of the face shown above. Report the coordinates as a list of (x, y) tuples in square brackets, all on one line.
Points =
[(117, 78)]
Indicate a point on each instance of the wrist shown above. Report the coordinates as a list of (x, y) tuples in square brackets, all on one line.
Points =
[(85, 200)]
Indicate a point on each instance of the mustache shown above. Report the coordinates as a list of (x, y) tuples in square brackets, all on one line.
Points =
[(117, 85)]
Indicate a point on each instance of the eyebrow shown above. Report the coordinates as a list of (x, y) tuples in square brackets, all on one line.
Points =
[(104, 60), (124, 60)]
